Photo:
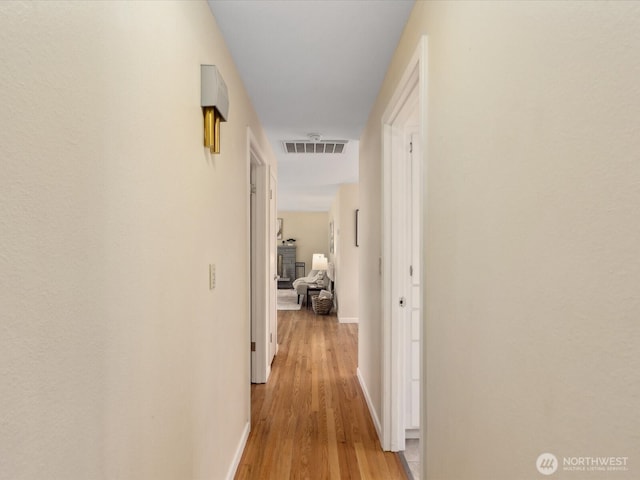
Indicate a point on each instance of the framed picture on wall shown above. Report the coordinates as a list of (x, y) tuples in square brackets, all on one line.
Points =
[(279, 226)]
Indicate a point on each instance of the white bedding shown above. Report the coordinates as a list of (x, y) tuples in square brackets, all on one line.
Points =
[(313, 278)]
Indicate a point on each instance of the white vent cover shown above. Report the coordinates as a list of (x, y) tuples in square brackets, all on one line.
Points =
[(306, 146)]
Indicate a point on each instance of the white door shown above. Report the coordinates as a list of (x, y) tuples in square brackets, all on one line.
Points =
[(256, 299), (414, 279), (406, 273), (403, 175), (400, 280), (273, 285), (262, 271)]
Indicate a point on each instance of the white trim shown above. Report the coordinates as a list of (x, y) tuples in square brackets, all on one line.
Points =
[(413, 433), (413, 77), (254, 147), (348, 319), (372, 410), (239, 451)]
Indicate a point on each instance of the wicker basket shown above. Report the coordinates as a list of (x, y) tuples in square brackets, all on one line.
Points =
[(321, 306)]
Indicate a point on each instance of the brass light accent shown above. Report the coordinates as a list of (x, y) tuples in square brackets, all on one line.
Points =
[(212, 121), (214, 100)]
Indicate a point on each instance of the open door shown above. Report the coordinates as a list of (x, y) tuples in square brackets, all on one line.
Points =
[(273, 266), (414, 284), (404, 167), (263, 306)]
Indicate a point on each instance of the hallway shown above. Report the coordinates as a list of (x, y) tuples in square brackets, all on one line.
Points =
[(311, 420)]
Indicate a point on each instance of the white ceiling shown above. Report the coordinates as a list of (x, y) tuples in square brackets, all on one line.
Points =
[(312, 66)]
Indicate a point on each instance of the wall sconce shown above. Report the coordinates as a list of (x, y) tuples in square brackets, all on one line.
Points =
[(214, 99)]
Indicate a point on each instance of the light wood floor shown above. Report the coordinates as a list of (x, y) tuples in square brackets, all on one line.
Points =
[(310, 421)]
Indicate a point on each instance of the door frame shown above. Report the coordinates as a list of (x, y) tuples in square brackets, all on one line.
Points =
[(258, 253), (413, 80)]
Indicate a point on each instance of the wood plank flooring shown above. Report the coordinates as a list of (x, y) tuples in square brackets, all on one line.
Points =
[(310, 421)]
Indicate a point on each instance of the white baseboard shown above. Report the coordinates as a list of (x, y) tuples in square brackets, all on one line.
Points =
[(348, 319), (239, 451), (372, 411)]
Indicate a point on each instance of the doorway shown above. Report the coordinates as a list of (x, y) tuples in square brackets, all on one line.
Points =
[(404, 177)]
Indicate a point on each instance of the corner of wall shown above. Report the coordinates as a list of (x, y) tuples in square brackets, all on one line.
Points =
[(372, 410), (238, 453)]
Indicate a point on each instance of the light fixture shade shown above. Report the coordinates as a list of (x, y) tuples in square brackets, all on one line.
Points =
[(213, 91), (319, 262), (214, 99)]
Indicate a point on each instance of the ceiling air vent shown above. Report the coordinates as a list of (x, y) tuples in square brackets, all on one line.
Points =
[(306, 146)]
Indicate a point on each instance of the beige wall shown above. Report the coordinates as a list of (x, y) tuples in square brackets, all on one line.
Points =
[(311, 231), (111, 210), (346, 254), (532, 233)]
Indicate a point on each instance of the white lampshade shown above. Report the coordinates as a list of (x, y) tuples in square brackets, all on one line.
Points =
[(319, 262)]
